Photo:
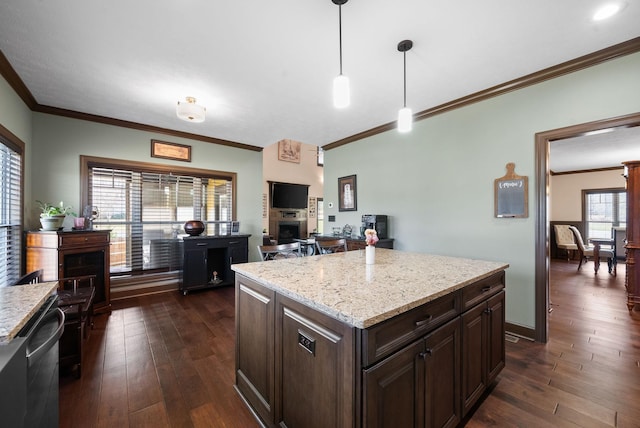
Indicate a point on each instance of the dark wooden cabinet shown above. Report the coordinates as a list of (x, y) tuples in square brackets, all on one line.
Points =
[(419, 385), (62, 254), (204, 255), (255, 330), (395, 381), (442, 377), (314, 368), (632, 279), (360, 244), (483, 349), (422, 368)]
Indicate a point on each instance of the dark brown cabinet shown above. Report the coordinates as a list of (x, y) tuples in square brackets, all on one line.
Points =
[(483, 350), (204, 255), (426, 367), (314, 368), (632, 279), (419, 384), (62, 254), (255, 330)]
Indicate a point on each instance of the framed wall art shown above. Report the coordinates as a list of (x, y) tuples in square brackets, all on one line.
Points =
[(347, 193), (289, 151), (173, 151)]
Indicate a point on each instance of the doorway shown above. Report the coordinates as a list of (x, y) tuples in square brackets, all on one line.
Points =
[(542, 254)]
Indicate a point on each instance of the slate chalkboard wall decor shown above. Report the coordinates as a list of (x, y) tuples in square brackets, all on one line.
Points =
[(511, 194)]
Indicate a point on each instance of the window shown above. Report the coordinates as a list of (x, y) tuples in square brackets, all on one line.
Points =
[(145, 206), (604, 209), (11, 213)]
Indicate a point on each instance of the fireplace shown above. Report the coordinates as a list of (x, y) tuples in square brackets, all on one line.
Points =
[(288, 231)]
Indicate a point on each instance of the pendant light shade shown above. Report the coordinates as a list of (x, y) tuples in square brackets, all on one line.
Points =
[(405, 119), (405, 116), (190, 111), (341, 91)]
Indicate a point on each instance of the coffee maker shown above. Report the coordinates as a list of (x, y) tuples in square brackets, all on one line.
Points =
[(374, 221)]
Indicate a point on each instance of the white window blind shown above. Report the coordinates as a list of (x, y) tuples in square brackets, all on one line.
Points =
[(146, 211), (11, 215), (604, 209)]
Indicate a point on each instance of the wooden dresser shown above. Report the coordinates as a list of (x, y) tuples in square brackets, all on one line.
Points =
[(62, 254), (632, 281)]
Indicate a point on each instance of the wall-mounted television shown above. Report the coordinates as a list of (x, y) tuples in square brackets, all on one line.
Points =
[(289, 196)]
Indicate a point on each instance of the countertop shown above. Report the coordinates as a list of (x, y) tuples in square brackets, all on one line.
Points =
[(342, 286), (18, 304)]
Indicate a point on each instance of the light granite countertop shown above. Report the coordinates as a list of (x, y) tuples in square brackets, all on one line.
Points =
[(342, 286), (18, 304)]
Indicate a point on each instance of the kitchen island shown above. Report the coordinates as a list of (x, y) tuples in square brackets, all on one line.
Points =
[(413, 340)]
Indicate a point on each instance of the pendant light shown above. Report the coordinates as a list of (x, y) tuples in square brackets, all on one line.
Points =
[(341, 95), (405, 116)]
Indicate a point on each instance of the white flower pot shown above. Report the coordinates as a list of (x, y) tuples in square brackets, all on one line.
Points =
[(53, 222)]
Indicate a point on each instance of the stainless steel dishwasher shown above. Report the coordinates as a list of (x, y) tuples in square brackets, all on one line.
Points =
[(29, 371)]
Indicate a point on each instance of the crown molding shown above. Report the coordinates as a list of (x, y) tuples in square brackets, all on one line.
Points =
[(580, 63)]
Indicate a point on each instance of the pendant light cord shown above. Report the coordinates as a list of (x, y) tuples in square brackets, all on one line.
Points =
[(340, 33), (405, 77)]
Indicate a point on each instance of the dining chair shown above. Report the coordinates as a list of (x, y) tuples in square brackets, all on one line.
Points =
[(585, 252), (75, 297), (329, 246), (281, 251), (30, 278)]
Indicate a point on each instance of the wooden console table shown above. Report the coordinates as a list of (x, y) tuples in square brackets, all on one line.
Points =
[(63, 254), (205, 254)]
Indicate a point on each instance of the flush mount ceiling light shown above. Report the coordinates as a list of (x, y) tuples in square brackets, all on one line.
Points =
[(341, 96), (607, 11), (405, 116), (190, 111)]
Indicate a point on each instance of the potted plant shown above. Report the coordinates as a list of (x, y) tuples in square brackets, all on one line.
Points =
[(52, 216)]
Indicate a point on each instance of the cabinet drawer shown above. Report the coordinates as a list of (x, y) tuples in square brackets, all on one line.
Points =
[(481, 290), (83, 239), (45, 240), (385, 338)]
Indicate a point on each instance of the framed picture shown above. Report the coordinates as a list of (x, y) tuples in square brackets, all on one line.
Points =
[(347, 193), (235, 227), (289, 151), (173, 151)]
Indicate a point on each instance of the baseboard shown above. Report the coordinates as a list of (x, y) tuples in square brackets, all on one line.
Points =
[(126, 288), (520, 331)]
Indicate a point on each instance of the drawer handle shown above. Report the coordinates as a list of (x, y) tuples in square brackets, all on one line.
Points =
[(487, 288), (201, 244), (427, 320)]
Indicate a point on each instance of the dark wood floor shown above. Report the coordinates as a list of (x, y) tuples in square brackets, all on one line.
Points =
[(167, 361)]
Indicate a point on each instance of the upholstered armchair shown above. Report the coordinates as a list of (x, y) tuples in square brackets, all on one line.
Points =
[(565, 239)]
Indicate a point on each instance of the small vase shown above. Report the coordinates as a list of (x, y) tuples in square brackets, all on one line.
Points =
[(370, 254)]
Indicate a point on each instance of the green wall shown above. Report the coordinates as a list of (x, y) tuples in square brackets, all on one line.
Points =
[(436, 183), (58, 143)]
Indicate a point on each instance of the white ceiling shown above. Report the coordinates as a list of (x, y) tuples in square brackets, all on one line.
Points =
[(598, 150), (264, 69)]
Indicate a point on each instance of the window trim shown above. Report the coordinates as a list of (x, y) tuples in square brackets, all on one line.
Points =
[(585, 192), (12, 141), (88, 162)]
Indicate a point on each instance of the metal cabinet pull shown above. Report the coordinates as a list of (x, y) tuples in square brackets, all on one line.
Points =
[(424, 321)]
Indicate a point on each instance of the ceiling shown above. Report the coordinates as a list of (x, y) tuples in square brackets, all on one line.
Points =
[(265, 71)]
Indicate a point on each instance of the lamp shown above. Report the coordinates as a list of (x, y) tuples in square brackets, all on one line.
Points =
[(190, 111), (341, 96), (405, 117)]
